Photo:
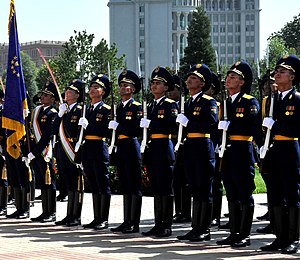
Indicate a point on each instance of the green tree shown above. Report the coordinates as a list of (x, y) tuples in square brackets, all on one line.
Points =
[(82, 59), (290, 34), (199, 49)]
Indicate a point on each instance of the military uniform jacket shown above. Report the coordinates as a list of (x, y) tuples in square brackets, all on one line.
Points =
[(202, 114), (68, 129), (287, 115), (129, 118), (43, 120), (163, 117), (243, 117)]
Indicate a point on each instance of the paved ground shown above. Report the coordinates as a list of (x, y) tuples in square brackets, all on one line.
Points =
[(27, 240)]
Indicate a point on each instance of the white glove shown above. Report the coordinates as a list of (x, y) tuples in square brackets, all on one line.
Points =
[(268, 122), (83, 122), (113, 125), (62, 109), (145, 123), (26, 161), (223, 125), (30, 157), (261, 150), (182, 119)]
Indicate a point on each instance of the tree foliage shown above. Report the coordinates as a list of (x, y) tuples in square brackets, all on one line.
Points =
[(82, 59), (199, 49), (290, 34)]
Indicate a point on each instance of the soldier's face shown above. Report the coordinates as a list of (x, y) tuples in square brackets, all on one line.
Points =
[(194, 83), (71, 96), (283, 78), (158, 87), (47, 100), (174, 94), (96, 91), (126, 89), (234, 82)]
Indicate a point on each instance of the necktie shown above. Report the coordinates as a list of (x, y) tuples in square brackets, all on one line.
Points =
[(154, 105), (280, 96)]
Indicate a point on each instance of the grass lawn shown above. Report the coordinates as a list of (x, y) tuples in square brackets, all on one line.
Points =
[(259, 182)]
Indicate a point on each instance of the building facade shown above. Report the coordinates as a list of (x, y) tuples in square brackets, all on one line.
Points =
[(156, 30), (49, 49)]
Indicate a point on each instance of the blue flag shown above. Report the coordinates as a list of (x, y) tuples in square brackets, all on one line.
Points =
[(15, 101)]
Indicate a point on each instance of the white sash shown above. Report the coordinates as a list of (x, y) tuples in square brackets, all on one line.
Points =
[(65, 143)]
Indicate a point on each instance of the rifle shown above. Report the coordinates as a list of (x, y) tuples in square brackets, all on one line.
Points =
[(144, 140), (268, 134), (79, 142), (180, 128), (222, 147), (114, 114)]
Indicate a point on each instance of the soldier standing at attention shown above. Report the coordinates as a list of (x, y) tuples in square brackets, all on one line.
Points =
[(66, 125), (128, 155), (199, 120), (182, 194), (95, 156), (41, 155), (159, 155), (238, 169), (284, 169)]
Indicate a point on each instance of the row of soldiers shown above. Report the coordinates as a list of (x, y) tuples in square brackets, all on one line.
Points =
[(82, 150)]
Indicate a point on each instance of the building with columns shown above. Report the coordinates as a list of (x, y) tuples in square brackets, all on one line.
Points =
[(156, 30)]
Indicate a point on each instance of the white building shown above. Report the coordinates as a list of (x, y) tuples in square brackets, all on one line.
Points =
[(155, 29)]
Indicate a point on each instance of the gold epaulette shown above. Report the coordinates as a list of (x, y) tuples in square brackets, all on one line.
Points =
[(136, 103), (79, 106), (169, 100), (297, 93), (53, 110), (247, 96), (107, 106), (218, 104), (207, 97)]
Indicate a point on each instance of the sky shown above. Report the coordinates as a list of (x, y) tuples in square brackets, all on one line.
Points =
[(57, 19)]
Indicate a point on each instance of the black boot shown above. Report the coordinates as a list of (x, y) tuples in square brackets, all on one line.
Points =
[(127, 201), (157, 217), (135, 215), (293, 231), (195, 221), (167, 217), (18, 201), (279, 217), (186, 205), (245, 227), (76, 218), (70, 209), (51, 212), (235, 222), (44, 207), (32, 192), (104, 212), (96, 208), (204, 224), (24, 207), (3, 201)]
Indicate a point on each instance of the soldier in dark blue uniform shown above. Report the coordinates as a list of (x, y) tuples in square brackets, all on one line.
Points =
[(128, 154), (159, 155), (284, 169), (40, 156), (199, 120), (217, 187), (67, 127), (182, 194), (3, 171), (95, 156), (238, 169)]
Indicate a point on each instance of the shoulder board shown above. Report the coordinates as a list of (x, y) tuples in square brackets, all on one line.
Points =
[(169, 100), (218, 103), (207, 97), (136, 103), (107, 106), (247, 96), (53, 110), (297, 93), (79, 106)]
